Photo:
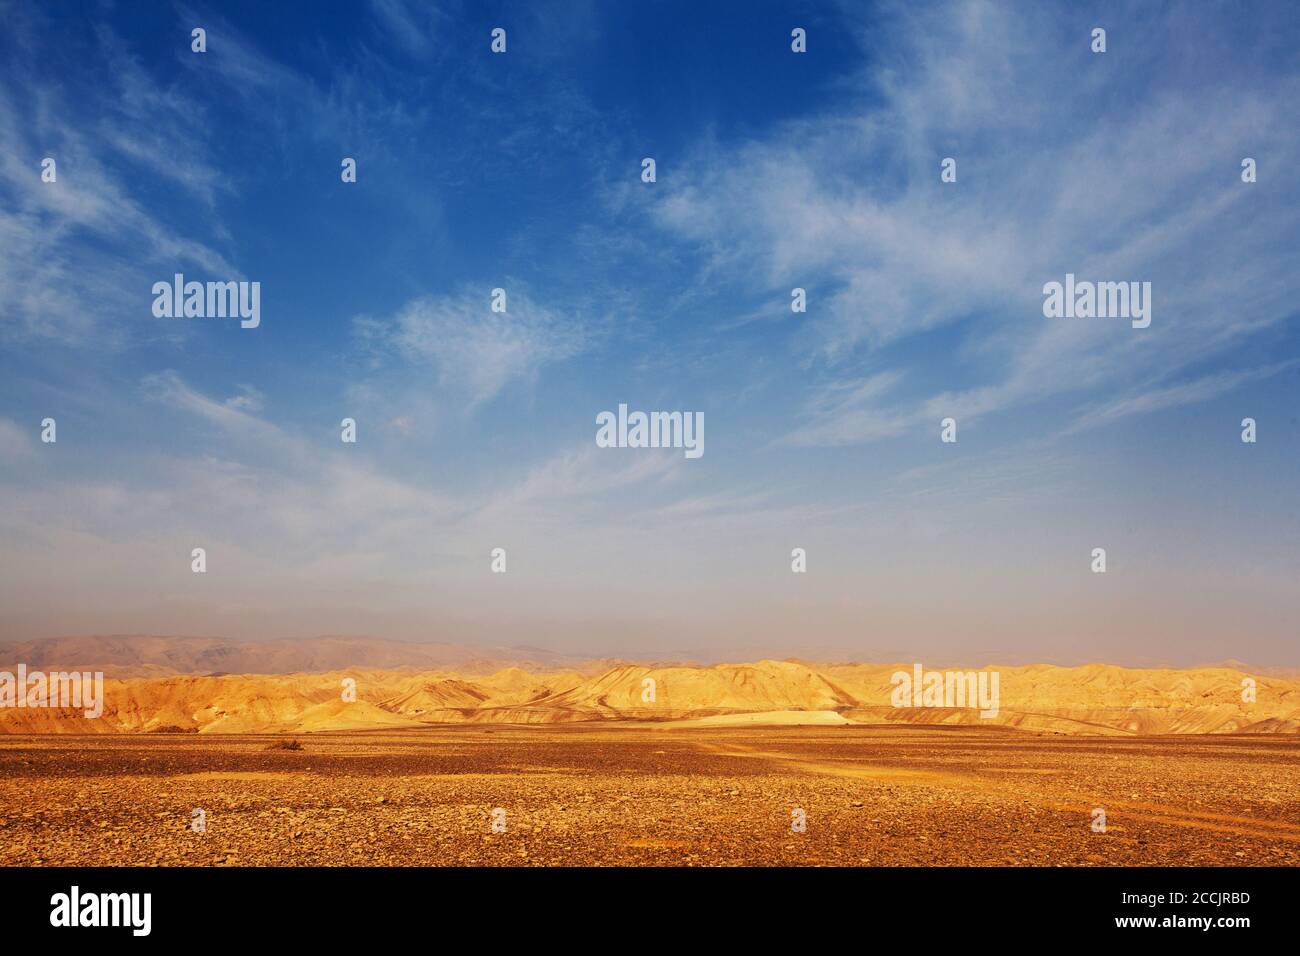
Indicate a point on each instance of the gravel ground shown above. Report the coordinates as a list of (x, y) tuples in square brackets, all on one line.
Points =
[(647, 795)]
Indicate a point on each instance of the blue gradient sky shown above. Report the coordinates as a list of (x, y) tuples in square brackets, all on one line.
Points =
[(775, 170)]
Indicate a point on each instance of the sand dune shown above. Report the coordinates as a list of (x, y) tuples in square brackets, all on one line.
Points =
[(1095, 699)]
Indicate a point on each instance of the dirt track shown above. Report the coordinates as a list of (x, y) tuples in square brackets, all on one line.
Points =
[(649, 795)]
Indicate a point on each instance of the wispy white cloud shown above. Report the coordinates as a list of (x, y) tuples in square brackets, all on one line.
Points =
[(583, 472), (79, 250), (1154, 399), (475, 351), (412, 26), (847, 412), (234, 415), (848, 204)]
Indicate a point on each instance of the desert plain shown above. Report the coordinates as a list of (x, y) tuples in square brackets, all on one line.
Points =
[(583, 794)]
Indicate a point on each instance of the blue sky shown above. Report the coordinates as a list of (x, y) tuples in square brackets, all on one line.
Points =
[(774, 170)]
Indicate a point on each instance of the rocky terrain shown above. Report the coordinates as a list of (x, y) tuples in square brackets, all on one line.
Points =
[(600, 794)]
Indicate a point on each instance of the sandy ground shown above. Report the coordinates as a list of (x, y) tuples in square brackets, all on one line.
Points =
[(645, 795)]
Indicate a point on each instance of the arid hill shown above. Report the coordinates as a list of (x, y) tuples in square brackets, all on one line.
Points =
[(1094, 699)]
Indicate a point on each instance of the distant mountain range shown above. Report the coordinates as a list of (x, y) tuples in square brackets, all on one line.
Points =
[(147, 655), (133, 655)]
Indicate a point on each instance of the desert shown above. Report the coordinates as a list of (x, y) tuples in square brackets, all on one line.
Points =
[(641, 794), (562, 763)]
